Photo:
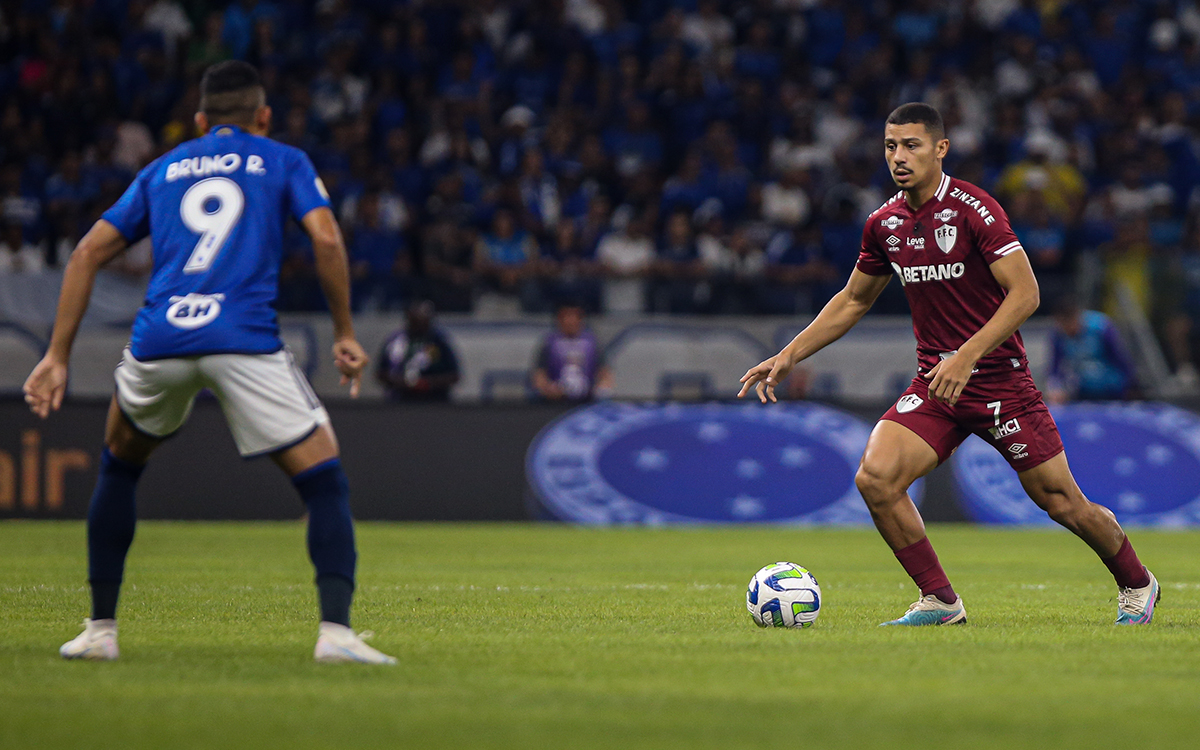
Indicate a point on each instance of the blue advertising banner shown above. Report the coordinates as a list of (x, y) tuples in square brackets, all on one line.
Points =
[(654, 464), (1141, 460)]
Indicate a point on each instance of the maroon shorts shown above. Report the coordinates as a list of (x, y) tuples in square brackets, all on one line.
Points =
[(1007, 411)]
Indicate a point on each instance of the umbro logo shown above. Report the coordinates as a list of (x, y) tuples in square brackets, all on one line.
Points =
[(945, 214), (1017, 447), (893, 240), (892, 222)]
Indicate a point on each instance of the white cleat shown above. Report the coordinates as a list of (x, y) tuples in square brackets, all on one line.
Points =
[(1136, 606), (338, 643), (97, 642)]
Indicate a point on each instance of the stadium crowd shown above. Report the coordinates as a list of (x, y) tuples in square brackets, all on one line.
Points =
[(664, 155)]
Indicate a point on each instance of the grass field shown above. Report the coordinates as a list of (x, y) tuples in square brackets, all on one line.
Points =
[(529, 636)]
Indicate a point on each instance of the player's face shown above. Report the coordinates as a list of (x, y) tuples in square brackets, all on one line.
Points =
[(914, 158)]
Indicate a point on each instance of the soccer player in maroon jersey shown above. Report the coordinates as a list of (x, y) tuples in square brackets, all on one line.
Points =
[(970, 286)]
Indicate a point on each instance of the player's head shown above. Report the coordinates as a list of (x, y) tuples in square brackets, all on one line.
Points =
[(231, 93), (419, 317), (568, 315), (914, 141)]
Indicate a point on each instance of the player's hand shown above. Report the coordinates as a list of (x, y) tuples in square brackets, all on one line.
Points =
[(948, 378), (45, 386), (351, 360), (764, 376)]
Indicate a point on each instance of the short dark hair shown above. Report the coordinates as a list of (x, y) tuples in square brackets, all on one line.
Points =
[(231, 91), (919, 112)]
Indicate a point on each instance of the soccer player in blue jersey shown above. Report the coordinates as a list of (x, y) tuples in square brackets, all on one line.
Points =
[(215, 209)]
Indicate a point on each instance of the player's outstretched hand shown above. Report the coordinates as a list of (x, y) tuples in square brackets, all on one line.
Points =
[(948, 378), (764, 376), (351, 360), (45, 386)]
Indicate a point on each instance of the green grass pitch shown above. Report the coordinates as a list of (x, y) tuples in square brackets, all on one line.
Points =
[(531, 636)]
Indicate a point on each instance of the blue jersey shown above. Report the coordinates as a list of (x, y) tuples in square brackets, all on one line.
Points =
[(215, 209)]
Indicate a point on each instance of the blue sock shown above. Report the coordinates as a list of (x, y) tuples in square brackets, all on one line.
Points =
[(112, 517), (326, 492)]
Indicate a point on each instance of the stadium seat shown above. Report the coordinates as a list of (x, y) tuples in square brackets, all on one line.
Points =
[(491, 355), (649, 360)]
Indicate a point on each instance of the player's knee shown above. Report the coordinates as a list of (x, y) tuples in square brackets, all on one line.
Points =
[(1065, 510), (876, 486)]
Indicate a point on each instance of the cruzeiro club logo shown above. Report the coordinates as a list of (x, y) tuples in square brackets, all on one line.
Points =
[(620, 463), (1140, 460)]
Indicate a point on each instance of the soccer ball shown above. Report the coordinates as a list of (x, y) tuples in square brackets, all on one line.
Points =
[(783, 595)]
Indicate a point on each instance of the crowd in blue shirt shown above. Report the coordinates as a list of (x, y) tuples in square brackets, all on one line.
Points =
[(710, 155)]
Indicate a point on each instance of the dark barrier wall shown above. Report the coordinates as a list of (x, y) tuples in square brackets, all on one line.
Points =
[(405, 462), (420, 462)]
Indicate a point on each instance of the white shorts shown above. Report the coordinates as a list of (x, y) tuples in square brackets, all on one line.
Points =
[(267, 401)]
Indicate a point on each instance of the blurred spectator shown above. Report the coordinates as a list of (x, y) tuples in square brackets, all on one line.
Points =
[(1060, 185), (678, 269), (568, 271), (17, 255), (1076, 115), (506, 257), (569, 366), (417, 363), (627, 256), (1088, 362), (380, 266)]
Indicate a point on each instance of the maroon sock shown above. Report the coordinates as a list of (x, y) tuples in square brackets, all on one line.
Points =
[(921, 564), (1127, 568)]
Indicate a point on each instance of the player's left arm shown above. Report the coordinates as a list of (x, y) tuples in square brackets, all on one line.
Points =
[(333, 271), (45, 386), (1015, 276)]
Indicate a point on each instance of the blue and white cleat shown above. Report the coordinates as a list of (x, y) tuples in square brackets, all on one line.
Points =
[(338, 643), (97, 642), (1136, 606), (929, 610)]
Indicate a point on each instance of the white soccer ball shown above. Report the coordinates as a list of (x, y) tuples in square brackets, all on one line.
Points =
[(783, 595)]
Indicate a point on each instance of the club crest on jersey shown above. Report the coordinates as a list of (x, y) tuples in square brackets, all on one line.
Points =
[(945, 214), (908, 402), (194, 310), (891, 222), (946, 235)]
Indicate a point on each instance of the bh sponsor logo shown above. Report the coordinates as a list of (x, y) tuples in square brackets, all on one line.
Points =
[(194, 310)]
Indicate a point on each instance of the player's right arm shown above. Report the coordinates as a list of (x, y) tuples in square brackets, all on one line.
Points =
[(45, 386), (838, 316), (333, 271)]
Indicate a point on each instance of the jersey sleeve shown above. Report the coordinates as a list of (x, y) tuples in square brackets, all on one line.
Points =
[(872, 260), (131, 213), (994, 236), (305, 189)]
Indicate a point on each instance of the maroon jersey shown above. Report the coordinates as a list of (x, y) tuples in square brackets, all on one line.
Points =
[(941, 253)]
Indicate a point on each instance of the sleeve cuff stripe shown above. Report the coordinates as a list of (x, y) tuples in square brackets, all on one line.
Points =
[(1009, 248)]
